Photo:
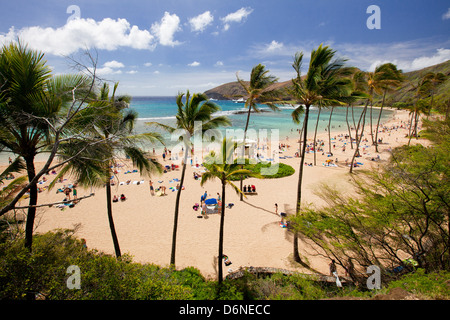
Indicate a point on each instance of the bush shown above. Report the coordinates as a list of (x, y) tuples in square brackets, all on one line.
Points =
[(435, 285)]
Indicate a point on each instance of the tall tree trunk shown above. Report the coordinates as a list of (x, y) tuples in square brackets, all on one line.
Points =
[(329, 130), (378, 122), (371, 127), (30, 295), (177, 206), (222, 224), (243, 148), (410, 129), (31, 215), (299, 185), (348, 127), (359, 137), (315, 135), (110, 218)]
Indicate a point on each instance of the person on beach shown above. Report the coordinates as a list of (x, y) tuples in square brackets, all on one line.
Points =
[(74, 192), (152, 191), (203, 197), (276, 208), (226, 260), (332, 266), (67, 193)]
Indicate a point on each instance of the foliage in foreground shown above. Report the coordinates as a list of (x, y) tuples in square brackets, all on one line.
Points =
[(104, 277)]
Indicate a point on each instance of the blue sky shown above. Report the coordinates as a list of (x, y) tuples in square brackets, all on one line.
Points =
[(163, 47)]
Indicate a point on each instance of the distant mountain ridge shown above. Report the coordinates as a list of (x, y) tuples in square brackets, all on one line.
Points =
[(234, 91)]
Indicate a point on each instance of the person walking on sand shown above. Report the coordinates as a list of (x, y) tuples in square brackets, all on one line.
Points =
[(333, 272), (152, 191), (276, 208)]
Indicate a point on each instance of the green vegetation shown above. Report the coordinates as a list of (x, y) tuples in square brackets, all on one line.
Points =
[(284, 170), (397, 218), (105, 277)]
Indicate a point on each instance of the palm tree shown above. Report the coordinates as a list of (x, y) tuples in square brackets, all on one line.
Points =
[(32, 102), (390, 77), (223, 167), (258, 91), (315, 133), (195, 109), (434, 79), (369, 83), (114, 126), (325, 85)]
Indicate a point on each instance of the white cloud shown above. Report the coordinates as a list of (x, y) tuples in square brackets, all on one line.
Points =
[(274, 46), (194, 64), (218, 64), (442, 55), (407, 55), (110, 67), (200, 22), (148, 64), (107, 71), (236, 17), (446, 15), (166, 28), (76, 34), (132, 72), (114, 64)]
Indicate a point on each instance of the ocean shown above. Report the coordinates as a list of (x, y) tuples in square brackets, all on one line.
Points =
[(163, 110)]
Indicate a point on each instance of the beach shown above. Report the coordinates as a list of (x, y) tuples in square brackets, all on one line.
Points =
[(252, 234)]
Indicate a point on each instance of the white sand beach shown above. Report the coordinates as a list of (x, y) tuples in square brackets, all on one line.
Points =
[(253, 236)]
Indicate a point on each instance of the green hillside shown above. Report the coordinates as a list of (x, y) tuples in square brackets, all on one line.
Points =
[(405, 93)]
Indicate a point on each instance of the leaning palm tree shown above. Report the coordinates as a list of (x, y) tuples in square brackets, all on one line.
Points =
[(258, 91), (113, 125), (390, 77), (223, 167), (195, 109), (32, 104), (434, 79), (371, 83), (325, 84)]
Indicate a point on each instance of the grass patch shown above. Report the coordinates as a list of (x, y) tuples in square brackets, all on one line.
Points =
[(282, 171)]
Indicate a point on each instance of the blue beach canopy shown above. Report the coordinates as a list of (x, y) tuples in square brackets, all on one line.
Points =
[(211, 201)]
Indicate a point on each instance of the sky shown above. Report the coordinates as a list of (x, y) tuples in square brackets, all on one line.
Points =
[(163, 47)]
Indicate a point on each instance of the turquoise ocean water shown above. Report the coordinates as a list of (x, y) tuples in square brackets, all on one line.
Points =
[(163, 110)]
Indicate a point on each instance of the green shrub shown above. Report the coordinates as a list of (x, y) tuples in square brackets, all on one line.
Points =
[(435, 285)]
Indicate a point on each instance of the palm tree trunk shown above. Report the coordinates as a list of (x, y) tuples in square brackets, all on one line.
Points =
[(296, 255), (177, 206), (315, 135), (222, 224), (348, 127), (329, 130), (371, 127), (243, 148), (32, 202), (111, 220), (378, 122), (359, 138)]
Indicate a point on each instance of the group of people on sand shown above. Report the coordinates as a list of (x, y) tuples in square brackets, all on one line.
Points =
[(122, 198), (249, 189)]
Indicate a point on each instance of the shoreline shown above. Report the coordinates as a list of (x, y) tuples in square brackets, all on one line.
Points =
[(253, 236)]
